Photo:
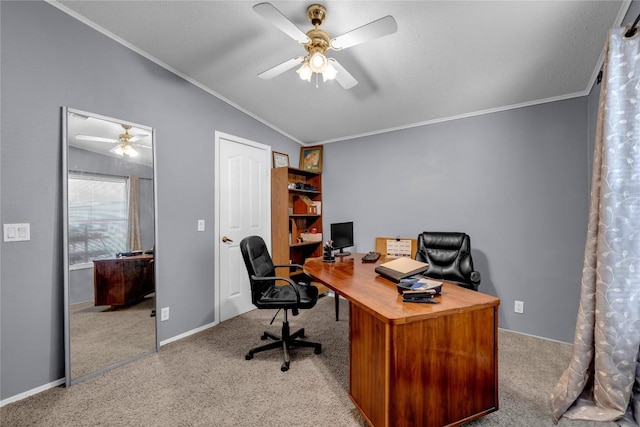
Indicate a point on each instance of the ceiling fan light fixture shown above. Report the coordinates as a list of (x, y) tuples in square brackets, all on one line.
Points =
[(305, 71), (125, 150), (317, 62), (329, 72)]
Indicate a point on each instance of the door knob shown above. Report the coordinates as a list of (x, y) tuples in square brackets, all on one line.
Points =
[(225, 239)]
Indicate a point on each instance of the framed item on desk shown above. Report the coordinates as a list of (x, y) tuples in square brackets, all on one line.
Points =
[(394, 247), (280, 159), (311, 158)]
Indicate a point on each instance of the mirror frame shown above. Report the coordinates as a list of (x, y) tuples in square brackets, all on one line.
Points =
[(69, 380)]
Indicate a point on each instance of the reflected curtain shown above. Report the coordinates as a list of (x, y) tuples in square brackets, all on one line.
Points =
[(134, 240), (602, 381)]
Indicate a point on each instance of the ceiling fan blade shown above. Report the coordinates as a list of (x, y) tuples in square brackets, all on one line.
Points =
[(373, 30), (138, 137), (94, 138), (281, 68), (273, 15), (343, 77)]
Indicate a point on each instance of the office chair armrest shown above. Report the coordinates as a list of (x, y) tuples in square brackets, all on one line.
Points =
[(289, 265), (275, 278), (298, 270)]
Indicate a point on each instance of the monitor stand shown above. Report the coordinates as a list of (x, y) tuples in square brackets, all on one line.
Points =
[(342, 253)]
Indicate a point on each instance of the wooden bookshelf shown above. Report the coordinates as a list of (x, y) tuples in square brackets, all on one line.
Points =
[(294, 214)]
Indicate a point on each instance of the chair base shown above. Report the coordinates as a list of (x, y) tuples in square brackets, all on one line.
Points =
[(285, 341)]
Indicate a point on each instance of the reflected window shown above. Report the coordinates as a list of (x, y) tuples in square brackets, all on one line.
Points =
[(97, 217)]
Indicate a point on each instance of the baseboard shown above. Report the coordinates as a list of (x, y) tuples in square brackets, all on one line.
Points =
[(536, 336), (31, 392), (332, 294), (186, 334)]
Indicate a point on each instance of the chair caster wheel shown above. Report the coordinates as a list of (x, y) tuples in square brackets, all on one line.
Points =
[(248, 356), (317, 350), (284, 367), (264, 337)]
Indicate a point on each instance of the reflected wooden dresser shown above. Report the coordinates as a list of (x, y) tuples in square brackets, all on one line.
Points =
[(123, 281)]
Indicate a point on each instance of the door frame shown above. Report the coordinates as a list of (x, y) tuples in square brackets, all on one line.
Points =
[(216, 233)]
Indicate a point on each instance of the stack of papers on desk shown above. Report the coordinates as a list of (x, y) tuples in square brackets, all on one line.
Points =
[(419, 283), (400, 268), (424, 283)]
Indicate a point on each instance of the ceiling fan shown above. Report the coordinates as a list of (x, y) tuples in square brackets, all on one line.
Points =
[(317, 42), (125, 142)]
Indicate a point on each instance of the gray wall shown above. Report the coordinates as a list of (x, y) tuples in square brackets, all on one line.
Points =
[(50, 60), (516, 181)]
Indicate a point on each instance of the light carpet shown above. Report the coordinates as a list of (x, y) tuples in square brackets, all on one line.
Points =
[(204, 380)]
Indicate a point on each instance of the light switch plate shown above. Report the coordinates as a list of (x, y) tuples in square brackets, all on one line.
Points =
[(201, 225), (17, 232)]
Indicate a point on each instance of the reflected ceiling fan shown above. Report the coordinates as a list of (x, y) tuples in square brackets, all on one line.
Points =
[(317, 42), (125, 142)]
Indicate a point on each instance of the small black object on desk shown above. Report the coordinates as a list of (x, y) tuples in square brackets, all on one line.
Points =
[(327, 252), (371, 257), (423, 296)]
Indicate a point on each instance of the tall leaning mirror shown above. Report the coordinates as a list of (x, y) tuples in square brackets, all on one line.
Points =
[(109, 243)]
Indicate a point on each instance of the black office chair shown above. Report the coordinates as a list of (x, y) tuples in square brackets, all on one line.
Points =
[(449, 258), (271, 292)]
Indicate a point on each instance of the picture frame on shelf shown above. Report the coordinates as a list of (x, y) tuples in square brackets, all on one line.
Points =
[(311, 158), (280, 160)]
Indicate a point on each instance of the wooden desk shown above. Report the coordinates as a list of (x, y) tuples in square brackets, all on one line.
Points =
[(415, 364), (123, 281)]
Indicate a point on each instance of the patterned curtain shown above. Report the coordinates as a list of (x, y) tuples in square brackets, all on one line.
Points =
[(602, 382), (134, 241)]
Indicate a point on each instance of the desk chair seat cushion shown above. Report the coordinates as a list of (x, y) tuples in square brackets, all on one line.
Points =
[(449, 257), (285, 296)]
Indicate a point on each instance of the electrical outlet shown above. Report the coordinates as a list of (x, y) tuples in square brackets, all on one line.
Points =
[(164, 314), (519, 307)]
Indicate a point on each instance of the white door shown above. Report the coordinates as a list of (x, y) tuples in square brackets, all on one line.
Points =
[(243, 206)]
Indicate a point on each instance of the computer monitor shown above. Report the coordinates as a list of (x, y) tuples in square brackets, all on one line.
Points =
[(342, 237)]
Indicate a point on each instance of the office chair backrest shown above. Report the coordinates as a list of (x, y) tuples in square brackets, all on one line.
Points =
[(448, 255), (259, 263)]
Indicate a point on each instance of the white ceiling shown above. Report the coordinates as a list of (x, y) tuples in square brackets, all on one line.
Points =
[(448, 59)]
